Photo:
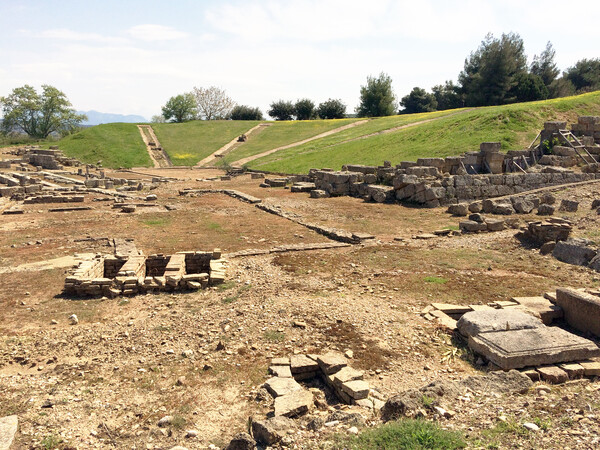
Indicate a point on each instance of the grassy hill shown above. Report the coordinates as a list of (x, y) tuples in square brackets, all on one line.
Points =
[(189, 142), (115, 144), (441, 133), (515, 126)]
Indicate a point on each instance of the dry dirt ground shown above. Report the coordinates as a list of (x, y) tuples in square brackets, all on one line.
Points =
[(106, 382)]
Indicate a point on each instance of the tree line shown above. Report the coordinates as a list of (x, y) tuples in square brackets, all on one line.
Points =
[(497, 73)]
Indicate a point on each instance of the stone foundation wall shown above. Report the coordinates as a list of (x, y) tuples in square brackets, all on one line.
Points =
[(112, 276)]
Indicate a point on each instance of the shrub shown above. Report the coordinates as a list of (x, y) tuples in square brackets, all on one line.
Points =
[(243, 112), (332, 109), (282, 110)]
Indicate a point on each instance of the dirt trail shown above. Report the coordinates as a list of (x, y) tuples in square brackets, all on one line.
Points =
[(155, 151), (229, 146), (243, 161)]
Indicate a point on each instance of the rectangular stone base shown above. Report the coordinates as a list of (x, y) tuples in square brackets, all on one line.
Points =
[(516, 349)]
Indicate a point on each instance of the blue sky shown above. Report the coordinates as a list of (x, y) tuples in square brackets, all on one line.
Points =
[(129, 57)]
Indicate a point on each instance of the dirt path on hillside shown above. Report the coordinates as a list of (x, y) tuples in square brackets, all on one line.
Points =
[(243, 161), (155, 151), (234, 143)]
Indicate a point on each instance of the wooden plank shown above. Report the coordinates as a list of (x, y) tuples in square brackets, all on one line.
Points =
[(536, 138)]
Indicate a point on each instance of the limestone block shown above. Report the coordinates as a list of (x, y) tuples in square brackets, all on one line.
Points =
[(487, 320), (553, 374), (574, 251), (294, 404), (331, 362), (581, 310)]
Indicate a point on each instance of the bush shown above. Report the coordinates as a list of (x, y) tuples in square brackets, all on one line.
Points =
[(243, 112), (418, 101), (411, 434), (332, 109), (377, 97), (282, 110)]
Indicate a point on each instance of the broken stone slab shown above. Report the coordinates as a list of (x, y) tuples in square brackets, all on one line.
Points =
[(331, 362), (541, 307), (574, 251), (278, 386), (444, 319), (281, 371), (516, 349), (553, 374), (483, 321), (581, 310), (8, 428), (280, 361), (495, 224), (294, 404), (272, 430), (241, 441), (460, 209), (470, 226)]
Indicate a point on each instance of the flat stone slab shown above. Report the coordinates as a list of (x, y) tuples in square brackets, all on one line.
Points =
[(331, 362), (278, 386), (8, 429), (303, 364), (541, 306), (591, 368), (346, 374), (484, 321), (516, 349), (553, 374), (281, 371), (451, 309), (357, 389), (294, 403)]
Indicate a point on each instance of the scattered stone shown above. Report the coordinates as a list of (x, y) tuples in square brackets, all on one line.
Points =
[(522, 205), (315, 424), (165, 421), (574, 251), (241, 441), (545, 209), (151, 197), (475, 207), (281, 371), (547, 198), (568, 205), (73, 320), (331, 362), (278, 386), (272, 430), (547, 248), (461, 209), (531, 426)]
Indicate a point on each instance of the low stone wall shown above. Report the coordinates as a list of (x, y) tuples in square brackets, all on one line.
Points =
[(112, 276)]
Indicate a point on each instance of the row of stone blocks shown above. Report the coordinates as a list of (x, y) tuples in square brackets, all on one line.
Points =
[(112, 276), (291, 399), (54, 199)]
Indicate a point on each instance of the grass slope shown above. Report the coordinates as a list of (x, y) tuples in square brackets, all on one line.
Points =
[(283, 133), (189, 142), (515, 126), (115, 144)]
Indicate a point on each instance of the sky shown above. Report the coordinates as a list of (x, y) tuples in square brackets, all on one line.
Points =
[(130, 56)]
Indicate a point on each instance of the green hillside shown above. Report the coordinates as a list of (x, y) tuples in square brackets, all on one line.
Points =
[(514, 125), (189, 142), (115, 144), (279, 134)]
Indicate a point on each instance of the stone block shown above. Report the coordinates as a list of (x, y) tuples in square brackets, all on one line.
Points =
[(294, 404), (568, 205), (278, 386), (452, 309), (574, 251), (460, 209), (281, 371), (302, 364), (357, 389), (484, 321), (581, 310), (346, 374), (8, 428), (470, 226), (532, 347), (553, 374), (590, 368), (574, 370), (331, 362), (494, 224)]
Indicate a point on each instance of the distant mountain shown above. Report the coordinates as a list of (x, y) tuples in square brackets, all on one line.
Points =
[(96, 118)]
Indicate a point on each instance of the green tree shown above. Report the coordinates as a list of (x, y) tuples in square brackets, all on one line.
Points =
[(39, 115), (377, 97), (490, 73), (544, 66), (584, 75), (419, 100), (447, 96), (305, 109), (282, 110), (180, 108), (332, 109), (530, 87), (243, 112)]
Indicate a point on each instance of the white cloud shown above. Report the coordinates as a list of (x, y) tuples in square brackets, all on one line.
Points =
[(152, 32), (65, 34)]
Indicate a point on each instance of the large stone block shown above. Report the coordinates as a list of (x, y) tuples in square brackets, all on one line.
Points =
[(484, 321), (542, 307), (574, 251), (581, 310), (515, 349)]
